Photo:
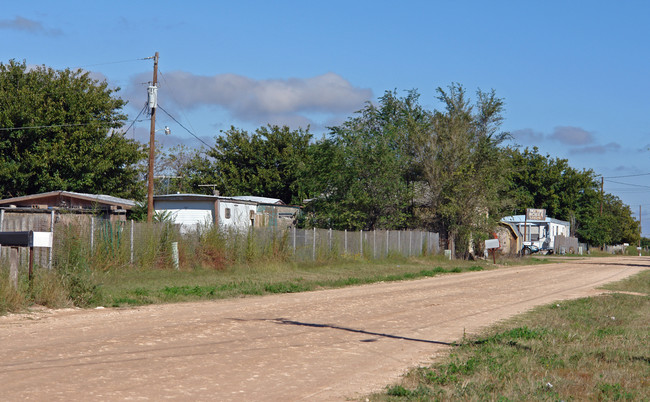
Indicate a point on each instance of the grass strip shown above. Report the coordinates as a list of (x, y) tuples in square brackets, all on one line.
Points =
[(150, 290), (586, 349)]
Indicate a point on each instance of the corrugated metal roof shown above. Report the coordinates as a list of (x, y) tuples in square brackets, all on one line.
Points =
[(522, 219), (196, 197), (261, 200), (106, 199)]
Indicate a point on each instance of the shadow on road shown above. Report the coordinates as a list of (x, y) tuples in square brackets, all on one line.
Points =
[(285, 321), (626, 264)]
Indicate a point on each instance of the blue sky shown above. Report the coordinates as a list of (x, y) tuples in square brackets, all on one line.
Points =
[(574, 74)]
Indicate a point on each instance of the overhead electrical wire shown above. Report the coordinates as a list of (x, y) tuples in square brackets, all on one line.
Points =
[(70, 125), (630, 175), (113, 62), (50, 126), (628, 184), (186, 129), (171, 90), (136, 118)]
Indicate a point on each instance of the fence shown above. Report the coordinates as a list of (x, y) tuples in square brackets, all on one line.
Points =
[(43, 222), (313, 243), (564, 244), (99, 242)]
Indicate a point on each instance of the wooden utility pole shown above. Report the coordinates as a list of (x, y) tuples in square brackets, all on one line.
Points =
[(152, 141)]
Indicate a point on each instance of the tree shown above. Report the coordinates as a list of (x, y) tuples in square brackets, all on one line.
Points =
[(361, 176), (539, 181), (175, 169), (58, 132), (265, 163), (463, 165)]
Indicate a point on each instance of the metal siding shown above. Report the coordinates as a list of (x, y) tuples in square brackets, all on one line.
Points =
[(188, 214), (239, 215)]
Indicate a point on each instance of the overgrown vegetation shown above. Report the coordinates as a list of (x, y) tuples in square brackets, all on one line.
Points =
[(396, 164), (60, 134), (212, 264), (587, 349)]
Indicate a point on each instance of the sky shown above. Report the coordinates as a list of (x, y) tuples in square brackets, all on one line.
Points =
[(574, 75)]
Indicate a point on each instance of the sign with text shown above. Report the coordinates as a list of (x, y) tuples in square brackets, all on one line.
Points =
[(492, 243), (533, 214)]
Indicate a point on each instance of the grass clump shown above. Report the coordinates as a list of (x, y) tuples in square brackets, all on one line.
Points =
[(587, 349), (129, 288)]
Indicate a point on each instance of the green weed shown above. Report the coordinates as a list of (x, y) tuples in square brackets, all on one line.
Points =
[(586, 349)]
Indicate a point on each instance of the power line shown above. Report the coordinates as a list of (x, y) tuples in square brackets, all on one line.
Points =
[(136, 118), (630, 175), (50, 126), (628, 184), (171, 90), (114, 62), (186, 129)]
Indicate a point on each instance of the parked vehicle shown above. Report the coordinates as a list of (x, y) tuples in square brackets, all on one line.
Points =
[(529, 249)]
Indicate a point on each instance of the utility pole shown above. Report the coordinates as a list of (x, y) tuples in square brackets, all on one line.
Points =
[(152, 137)]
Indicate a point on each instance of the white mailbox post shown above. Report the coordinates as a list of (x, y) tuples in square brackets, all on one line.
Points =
[(492, 245)]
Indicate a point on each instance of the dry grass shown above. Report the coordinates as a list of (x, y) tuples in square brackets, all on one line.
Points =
[(587, 349)]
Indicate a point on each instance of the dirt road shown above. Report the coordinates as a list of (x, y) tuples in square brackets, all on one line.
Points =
[(324, 345)]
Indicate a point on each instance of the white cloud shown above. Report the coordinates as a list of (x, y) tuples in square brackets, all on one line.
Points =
[(527, 136), (27, 25), (597, 149), (572, 135), (274, 101)]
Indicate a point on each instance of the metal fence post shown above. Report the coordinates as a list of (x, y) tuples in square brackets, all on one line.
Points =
[(92, 233), (132, 246), (374, 243), (345, 235), (313, 253), (399, 242), (51, 251), (387, 237), (330, 240), (361, 243), (294, 240)]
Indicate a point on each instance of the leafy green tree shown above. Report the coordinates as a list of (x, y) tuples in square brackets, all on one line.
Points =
[(361, 176), (264, 163), (463, 165), (175, 169), (540, 181), (58, 132)]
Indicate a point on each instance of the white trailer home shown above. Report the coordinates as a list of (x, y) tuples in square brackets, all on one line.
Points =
[(539, 233), (192, 211)]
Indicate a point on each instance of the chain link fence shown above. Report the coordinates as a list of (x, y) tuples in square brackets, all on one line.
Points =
[(99, 242)]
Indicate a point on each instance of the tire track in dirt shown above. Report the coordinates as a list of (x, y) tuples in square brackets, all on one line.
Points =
[(323, 345)]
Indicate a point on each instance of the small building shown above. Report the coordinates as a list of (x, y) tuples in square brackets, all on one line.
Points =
[(539, 233), (510, 240), (105, 206), (272, 212), (192, 211)]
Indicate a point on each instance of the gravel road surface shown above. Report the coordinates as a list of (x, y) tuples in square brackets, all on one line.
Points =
[(324, 345)]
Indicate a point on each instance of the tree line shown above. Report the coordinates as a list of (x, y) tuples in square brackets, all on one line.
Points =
[(392, 165)]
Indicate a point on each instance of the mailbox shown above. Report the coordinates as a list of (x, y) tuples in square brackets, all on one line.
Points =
[(26, 239)]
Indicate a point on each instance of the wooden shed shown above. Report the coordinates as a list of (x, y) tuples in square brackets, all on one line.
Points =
[(105, 206)]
